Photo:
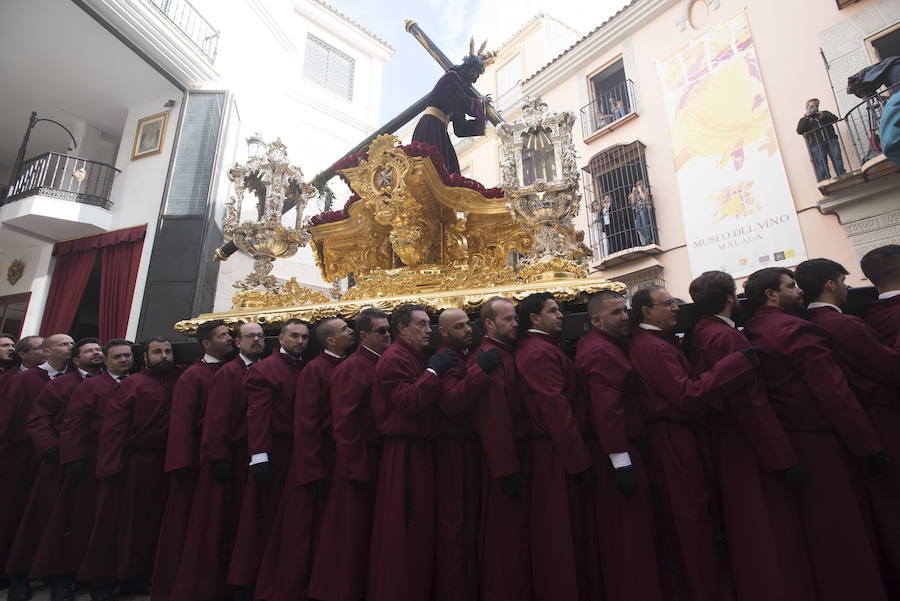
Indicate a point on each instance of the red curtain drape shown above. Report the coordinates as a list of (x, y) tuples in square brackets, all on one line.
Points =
[(120, 255), (69, 278), (118, 275)]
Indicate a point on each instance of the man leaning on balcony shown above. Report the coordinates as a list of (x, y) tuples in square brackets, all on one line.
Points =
[(822, 139)]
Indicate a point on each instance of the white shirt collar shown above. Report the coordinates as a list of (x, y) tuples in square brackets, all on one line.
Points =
[(51, 370), (370, 350), (817, 304), (22, 368), (535, 331), (335, 355), (84, 375), (888, 294), (727, 320), (118, 378), (247, 362), (207, 358), (647, 326)]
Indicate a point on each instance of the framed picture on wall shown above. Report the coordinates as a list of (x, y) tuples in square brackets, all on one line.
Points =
[(150, 136)]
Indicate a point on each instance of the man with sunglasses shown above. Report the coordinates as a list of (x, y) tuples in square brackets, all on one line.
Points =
[(342, 557)]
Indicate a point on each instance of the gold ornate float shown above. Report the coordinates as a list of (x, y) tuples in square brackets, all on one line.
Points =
[(415, 234)]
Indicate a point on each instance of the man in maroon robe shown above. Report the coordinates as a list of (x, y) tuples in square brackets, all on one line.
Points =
[(756, 465), (826, 425), (270, 386), (221, 478), (342, 556), (45, 535), (76, 505), (882, 267), (183, 452), (561, 469), (674, 405), (872, 371), (287, 563), (457, 462), (504, 553), (131, 455), (28, 423), (8, 360), (404, 400), (16, 452), (624, 501)]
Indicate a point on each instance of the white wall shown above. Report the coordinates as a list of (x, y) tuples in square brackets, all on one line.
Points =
[(36, 274)]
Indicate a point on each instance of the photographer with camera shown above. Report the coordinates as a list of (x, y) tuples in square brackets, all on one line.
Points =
[(821, 138)]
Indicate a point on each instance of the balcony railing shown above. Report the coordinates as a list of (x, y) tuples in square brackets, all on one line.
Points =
[(844, 146), (185, 17), (64, 177), (509, 98), (614, 104)]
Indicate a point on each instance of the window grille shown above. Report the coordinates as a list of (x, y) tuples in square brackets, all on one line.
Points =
[(641, 279), (328, 67)]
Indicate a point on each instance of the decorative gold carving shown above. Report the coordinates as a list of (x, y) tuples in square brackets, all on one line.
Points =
[(291, 294), (14, 273)]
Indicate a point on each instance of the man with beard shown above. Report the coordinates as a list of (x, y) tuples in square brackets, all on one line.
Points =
[(872, 371), (77, 504), (502, 424), (675, 406), (223, 474), (183, 452), (16, 453), (757, 466), (561, 472), (131, 457), (457, 461), (8, 360), (287, 563), (882, 267), (44, 417), (624, 503), (826, 425), (342, 556), (42, 456), (270, 386), (404, 399)]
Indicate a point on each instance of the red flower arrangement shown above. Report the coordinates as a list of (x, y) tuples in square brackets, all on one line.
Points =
[(415, 149)]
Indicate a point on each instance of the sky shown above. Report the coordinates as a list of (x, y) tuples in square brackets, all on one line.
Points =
[(411, 72)]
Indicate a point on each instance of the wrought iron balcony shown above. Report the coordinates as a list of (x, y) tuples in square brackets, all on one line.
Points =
[(188, 19), (509, 98), (614, 105), (848, 147), (68, 178)]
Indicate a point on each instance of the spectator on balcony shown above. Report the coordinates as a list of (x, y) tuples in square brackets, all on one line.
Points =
[(600, 223), (890, 128), (620, 111), (822, 139), (640, 203)]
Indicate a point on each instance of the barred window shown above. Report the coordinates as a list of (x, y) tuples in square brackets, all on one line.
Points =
[(326, 66), (636, 280)]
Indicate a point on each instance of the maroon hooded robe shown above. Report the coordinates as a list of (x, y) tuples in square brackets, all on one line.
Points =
[(286, 565), (674, 407), (63, 546), (502, 422), (216, 506), (342, 557), (549, 390), (765, 540), (270, 386), (457, 458), (884, 317), (627, 546), (43, 417), (404, 401), (182, 452), (18, 461), (824, 421), (133, 441), (873, 372)]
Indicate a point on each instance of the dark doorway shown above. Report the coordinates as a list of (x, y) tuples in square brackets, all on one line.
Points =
[(87, 318), (887, 45)]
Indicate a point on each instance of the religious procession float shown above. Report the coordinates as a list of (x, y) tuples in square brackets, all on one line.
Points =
[(414, 231)]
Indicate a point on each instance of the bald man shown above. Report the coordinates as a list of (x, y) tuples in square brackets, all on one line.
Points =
[(286, 566), (457, 457)]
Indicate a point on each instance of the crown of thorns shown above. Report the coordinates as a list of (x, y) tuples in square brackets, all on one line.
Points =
[(480, 59)]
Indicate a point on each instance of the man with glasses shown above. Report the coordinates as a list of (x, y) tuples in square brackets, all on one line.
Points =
[(675, 405), (222, 476), (183, 450), (342, 557)]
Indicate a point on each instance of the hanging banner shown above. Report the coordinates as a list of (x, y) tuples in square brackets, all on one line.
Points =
[(739, 215)]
